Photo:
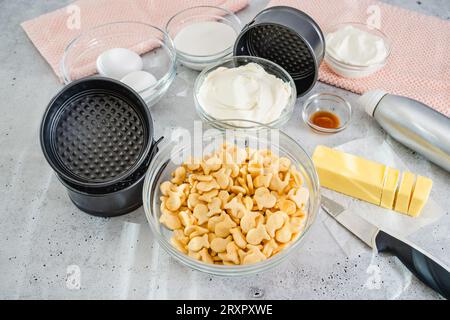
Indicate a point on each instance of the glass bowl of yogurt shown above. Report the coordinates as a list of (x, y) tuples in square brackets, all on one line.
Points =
[(245, 88), (203, 35), (356, 50)]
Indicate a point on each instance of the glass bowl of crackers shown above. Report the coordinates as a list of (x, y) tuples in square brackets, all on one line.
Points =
[(231, 201)]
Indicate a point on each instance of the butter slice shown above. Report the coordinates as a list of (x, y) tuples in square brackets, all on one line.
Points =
[(389, 188), (404, 192), (349, 174), (420, 195)]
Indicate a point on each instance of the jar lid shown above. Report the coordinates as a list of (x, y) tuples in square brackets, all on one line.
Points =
[(287, 37)]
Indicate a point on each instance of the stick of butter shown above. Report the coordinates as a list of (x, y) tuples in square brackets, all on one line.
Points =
[(349, 174), (371, 181)]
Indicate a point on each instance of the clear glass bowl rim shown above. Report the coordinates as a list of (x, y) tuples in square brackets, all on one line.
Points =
[(221, 270), (365, 26), (285, 116), (214, 56), (170, 74)]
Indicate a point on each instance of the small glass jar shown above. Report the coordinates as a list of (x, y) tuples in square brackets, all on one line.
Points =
[(329, 103)]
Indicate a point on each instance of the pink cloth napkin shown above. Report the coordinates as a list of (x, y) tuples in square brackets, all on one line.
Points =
[(52, 32), (419, 65)]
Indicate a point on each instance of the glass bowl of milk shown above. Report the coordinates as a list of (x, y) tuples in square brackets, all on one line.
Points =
[(356, 50), (203, 35)]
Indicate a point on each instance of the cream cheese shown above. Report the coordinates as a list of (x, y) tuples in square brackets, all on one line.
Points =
[(355, 46), (247, 92)]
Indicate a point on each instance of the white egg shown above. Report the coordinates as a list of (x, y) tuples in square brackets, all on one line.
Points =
[(116, 63), (139, 80)]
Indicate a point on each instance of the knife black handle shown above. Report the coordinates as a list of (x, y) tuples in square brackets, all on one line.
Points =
[(423, 266)]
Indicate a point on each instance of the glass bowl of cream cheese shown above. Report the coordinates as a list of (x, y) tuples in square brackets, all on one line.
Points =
[(356, 50), (245, 88)]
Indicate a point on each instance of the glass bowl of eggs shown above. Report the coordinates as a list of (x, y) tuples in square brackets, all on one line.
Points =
[(231, 202), (140, 55)]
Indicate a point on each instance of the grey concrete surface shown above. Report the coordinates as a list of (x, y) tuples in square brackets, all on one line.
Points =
[(42, 234)]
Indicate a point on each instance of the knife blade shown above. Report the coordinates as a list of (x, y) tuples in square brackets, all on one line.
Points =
[(424, 266), (360, 227)]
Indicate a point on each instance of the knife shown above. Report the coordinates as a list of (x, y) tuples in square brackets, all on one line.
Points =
[(425, 267)]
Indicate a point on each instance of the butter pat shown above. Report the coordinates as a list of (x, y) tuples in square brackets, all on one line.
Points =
[(389, 188), (420, 195), (349, 174), (404, 192)]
